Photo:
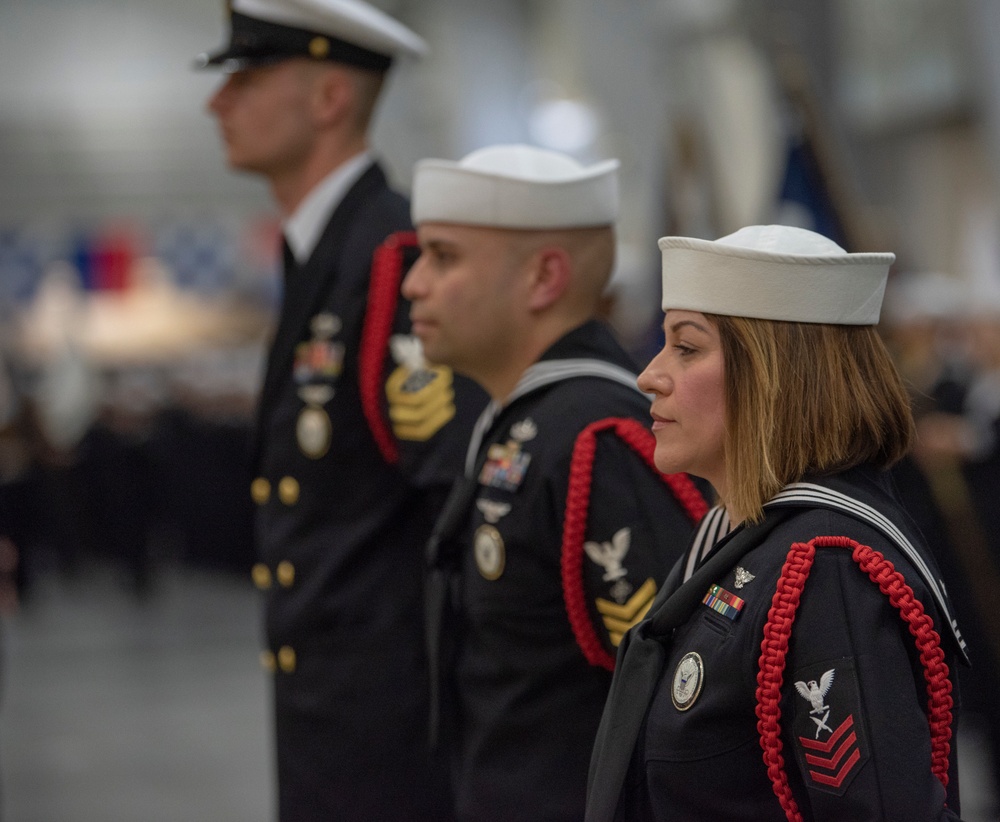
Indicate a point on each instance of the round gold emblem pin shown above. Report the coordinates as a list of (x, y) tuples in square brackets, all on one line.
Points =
[(488, 547), (319, 47)]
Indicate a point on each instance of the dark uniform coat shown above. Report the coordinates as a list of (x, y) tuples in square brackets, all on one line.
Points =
[(355, 453), (529, 639), (680, 738)]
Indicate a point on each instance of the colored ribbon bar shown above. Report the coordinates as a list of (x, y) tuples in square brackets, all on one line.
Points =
[(723, 602)]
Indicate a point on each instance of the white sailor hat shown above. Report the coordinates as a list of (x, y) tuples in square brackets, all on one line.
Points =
[(345, 31), (774, 272), (516, 186)]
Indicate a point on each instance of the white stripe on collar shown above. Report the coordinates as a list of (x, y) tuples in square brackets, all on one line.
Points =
[(811, 494), (715, 525)]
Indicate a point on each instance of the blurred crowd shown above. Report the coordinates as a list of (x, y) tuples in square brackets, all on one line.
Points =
[(945, 335), (125, 418)]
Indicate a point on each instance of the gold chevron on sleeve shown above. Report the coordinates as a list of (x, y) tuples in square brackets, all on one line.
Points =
[(619, 618), (421, 402)]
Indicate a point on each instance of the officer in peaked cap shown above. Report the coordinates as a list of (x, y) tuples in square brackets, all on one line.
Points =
[(345, 31), (560, 531), (357, 437)]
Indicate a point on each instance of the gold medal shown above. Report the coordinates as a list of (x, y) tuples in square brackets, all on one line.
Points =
[(313, 431), (488, 547)]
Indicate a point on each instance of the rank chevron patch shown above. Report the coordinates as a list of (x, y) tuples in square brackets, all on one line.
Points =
[(619, 618), (420, 402), (828, 727), (832, 761)]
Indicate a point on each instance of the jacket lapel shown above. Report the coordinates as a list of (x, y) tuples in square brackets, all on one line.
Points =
[(306, 287), (641, 657), (675, 607)]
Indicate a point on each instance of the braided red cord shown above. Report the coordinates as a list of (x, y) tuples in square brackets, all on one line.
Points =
[(383, 295), (641, 440), (928, 641), (774, 648), (777, 631)]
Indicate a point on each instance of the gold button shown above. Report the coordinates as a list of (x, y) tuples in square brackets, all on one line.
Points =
[(260, 490), (267, 661), (286, 659), (288, 490), (261, 576), (286, 574)]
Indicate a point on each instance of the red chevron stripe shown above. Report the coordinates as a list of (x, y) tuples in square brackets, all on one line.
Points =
[(831, 762), (830, 744), (837, 781)]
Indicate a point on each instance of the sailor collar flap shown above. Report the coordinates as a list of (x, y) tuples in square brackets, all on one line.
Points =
[(677, 600), (805, 494), (535, 378)]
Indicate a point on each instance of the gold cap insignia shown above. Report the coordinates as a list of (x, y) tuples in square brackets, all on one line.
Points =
[(319, 47)]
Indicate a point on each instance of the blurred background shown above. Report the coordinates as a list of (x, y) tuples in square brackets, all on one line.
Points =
[(138, 284)]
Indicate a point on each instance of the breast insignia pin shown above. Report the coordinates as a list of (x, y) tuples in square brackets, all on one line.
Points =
[(688, 678), (488, 547), (313, 429)]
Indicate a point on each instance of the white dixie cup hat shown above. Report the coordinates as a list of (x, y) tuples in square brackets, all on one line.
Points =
[(516, 186), (774, 272)]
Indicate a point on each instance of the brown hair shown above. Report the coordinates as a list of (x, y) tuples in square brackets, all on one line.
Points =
[(805, 398)]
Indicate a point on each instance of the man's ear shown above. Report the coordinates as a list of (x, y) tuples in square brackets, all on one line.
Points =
[(333, 95), (552, 273)]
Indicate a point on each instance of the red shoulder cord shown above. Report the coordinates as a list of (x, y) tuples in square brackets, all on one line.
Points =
[(383, 295), (641, 440), (775, 646)]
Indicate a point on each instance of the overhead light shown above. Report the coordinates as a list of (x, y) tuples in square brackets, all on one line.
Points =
[(563, 124)]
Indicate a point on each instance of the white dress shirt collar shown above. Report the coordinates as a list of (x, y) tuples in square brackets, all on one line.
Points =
[(303, 229)]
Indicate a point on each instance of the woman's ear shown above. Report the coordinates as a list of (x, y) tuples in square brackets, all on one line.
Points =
[(552, 273)]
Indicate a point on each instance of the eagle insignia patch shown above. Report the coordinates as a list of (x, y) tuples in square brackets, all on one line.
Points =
[(829, 735), (609, 554), (814, 693)]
